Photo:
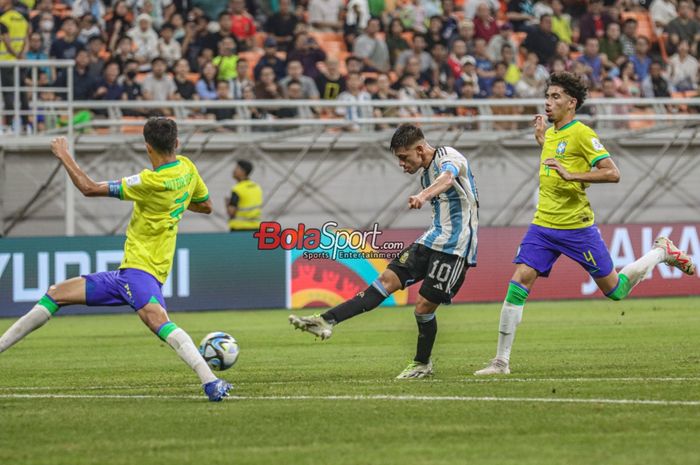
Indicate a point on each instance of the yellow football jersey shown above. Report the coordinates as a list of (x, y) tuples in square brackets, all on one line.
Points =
[(564, 204), (160, 198)]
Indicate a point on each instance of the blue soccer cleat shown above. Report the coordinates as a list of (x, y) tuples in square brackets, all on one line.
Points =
[(217, 390)]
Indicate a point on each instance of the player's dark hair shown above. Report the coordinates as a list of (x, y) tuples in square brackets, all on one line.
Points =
[(572, 85), (405, 136), (161, 134), (246, 166)]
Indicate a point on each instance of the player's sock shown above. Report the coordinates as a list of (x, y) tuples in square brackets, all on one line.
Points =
[(427, 330), (635, 272), (365, 301), (33, 319), (179, 340), (511, 315)]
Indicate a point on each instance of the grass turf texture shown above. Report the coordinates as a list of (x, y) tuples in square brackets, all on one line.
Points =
[(637, 349)]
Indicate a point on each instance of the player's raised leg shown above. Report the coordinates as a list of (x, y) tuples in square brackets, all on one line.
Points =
[(69, 292), (156, 318), (422, 366), (511, 315), (322, 325)]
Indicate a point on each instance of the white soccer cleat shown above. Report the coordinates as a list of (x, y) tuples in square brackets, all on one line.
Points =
[(416, 370), (496, 367), (314, 324), (675, 256)]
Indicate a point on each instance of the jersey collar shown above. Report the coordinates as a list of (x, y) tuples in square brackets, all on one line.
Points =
[(167, 165), (567, 125)]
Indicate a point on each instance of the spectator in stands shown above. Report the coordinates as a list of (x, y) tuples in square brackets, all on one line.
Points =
[(594, 22), (450, 21), (508, 56), (226, 61), (384, 92), (354, 93), (184, 87), (609, 90), (251, 112), (95, 49), (542, 7), (530, 85), (118, 23), (36, 51), (542, 40), (442, 71), (242, 25), (371, 49), (641, 59), (611, 47), (410, 90), (356, 19), (471, 6), (454, 60), (89, 28), (485, 26), (628, 85), (43, 20), (629, 36), (178, 27), (169, 49), (296, 71), (307, 50), (395, 41), (241, 80), (591, 58), (412, 16), (418, 51), (496, 43), (158, 85), (281, 25), (145, 40), (160, 10), (468, 74), (330, 83), (84, 84), (68, 46), (684, 68), (662, 12), (124, 52), (561, 22), (266, 88), (223, 93), (211, 40), (562, 52), (294, 91), (521, 14), (47, 28), (501, 69), (498, 92), (422, 78), (484, 66), (465, 32), (683, 27), (324, 15), (434, 34), (270, 58), (353, 65), (206, 85), (656, 84), (109, 88)]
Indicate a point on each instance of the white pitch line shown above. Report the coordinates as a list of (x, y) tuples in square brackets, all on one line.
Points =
[(358, 381), (369, 397)]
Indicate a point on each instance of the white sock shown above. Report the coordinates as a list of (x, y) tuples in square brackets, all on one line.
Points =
[(511, 315), (185, 348), (640, 269), (35, 318)]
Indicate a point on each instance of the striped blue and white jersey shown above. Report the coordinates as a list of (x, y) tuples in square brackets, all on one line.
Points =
[(455, 211)]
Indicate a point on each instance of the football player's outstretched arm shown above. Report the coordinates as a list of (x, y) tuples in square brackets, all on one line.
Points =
[(201, 207), (441, 184), (85, 184)]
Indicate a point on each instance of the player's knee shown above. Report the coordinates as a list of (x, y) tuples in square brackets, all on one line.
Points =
[(52, 291), (390, 281), (424, 306)]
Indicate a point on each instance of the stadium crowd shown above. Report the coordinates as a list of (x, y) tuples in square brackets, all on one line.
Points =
[(352, 51)]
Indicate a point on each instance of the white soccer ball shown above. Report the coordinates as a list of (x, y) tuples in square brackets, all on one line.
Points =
[(220, 350)]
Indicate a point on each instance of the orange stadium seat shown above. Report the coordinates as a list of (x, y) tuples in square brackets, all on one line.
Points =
[(330, 42), (645, 27), (252, 57)]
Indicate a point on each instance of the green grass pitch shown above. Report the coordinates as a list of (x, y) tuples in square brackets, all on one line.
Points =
[(593, 383)]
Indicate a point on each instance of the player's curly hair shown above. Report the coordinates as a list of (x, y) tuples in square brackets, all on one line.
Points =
[(405, 136), (161, 134), (572, 85)]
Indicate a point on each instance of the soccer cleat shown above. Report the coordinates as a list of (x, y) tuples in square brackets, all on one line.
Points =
[(675, 256), (216, 390), (496, 367), (416, 370), (314, 324)]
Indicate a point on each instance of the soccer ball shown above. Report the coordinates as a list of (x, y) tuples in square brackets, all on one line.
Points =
[(220, 350)]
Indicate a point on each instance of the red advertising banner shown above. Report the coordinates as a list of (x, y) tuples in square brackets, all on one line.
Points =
[(325, 282)]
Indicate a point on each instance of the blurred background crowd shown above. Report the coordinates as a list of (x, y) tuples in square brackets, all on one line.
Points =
[(352, 50)]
